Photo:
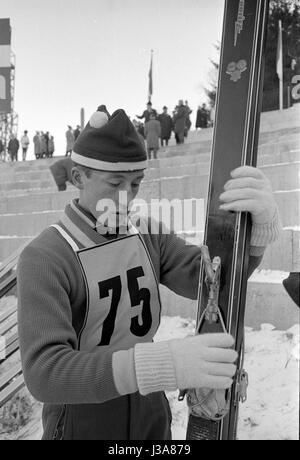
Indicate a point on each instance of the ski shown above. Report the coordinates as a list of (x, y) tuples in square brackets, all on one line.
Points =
[(223, 275)]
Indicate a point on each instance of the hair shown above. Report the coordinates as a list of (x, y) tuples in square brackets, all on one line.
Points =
[(87, 171)]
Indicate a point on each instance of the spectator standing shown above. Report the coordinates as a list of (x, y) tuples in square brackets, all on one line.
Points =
[(37, 145), (146, 114), (13, 148), (188, 120), (43, 145), (153, 133), (25, 144), (70, 141), (77, 131), (46, 137), (202, 117), (51, 146), (166, 124), (179, 120)]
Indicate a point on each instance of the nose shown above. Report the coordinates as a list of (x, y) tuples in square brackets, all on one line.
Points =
[(129, 191)]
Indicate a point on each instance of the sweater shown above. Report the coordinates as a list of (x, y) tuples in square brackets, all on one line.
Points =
[(51, 311)]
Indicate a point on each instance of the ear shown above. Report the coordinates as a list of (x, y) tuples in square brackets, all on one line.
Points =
[(77, 178)]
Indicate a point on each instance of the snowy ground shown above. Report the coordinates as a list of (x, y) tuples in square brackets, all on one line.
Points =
[(271, 411)]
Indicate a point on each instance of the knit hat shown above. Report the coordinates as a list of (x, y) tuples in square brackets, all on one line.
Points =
[(109, 143)]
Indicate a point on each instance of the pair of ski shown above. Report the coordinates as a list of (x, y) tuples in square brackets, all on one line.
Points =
[(223, 281)]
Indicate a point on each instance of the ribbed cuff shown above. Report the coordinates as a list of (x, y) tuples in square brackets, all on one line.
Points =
[(154, 367), (264, 234), (124, 372)]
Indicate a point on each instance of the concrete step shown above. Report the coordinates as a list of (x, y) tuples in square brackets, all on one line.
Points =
[(156, 168), (41, 200), (283, 255), (276, 147), (283, 176), (25, 185), (31, 223)]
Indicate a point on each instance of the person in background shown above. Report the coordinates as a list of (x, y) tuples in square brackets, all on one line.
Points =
[(202, 117), (166, 124), (188, 120), (70, 141), (46, 137), (25, 144), (62, 173), (37, 145), (51, 146), (13, 148), (43, 145), (77, 132), (152, 133), (179, 120), (146, 114)]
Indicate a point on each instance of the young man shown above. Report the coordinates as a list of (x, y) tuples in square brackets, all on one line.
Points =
[(89, 303)]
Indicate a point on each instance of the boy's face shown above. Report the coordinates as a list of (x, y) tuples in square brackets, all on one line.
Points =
[(102, 185)]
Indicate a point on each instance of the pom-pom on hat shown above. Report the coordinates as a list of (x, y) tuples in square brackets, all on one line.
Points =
[(110, 143)]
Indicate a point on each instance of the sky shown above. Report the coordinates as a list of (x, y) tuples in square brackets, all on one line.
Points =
[(83, 53)]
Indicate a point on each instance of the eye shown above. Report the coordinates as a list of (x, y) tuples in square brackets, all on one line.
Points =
[(113, 184)]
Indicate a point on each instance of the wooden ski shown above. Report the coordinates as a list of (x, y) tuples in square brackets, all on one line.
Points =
[(223, 282)]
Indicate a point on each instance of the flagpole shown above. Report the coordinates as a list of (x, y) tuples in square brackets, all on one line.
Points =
[(280, 65), (150, 87)]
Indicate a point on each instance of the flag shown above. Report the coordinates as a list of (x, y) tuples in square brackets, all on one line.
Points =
[(150, 89), (279, 68)]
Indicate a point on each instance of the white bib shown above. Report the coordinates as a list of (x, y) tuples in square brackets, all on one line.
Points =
[(123, 302)]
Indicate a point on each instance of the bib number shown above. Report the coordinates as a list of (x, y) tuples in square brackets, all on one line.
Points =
[(137, 296)]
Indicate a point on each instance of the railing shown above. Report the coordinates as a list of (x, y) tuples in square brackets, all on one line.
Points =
[(11, 377)]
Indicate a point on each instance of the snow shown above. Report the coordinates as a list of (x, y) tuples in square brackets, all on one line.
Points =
[(272, 362), (268, 276)]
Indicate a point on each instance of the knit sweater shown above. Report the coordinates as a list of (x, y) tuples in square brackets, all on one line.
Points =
[(52, 302)]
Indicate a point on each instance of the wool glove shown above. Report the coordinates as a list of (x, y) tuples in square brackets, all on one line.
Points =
[(202, 361)]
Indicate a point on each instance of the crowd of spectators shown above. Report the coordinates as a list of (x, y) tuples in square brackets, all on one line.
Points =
[(43, 145), (156, 129)]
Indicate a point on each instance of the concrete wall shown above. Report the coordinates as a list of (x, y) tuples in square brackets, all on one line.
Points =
[(266, 303)]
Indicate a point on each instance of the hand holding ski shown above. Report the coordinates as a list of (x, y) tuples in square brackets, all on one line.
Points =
[(249, 190)]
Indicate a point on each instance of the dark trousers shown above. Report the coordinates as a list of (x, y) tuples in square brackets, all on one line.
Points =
[(132, 417), (163, 141), (154, 153), (24, 153), (179, 138)]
